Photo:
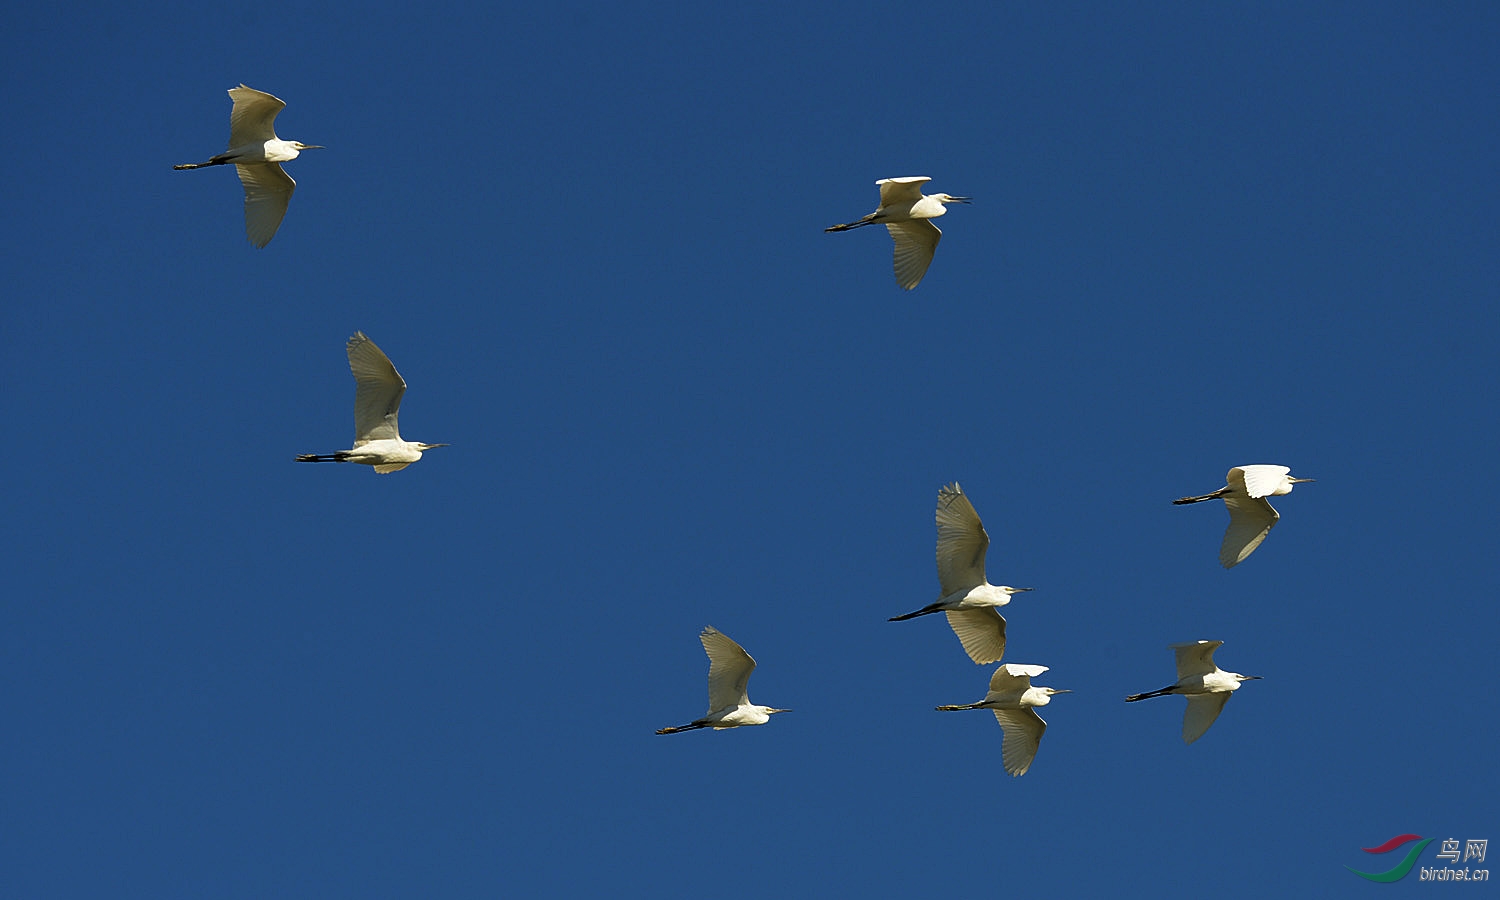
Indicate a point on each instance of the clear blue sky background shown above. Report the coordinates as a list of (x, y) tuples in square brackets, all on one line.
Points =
[(590, 236)]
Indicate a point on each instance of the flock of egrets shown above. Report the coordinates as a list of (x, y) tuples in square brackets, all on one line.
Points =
[(970, 603)]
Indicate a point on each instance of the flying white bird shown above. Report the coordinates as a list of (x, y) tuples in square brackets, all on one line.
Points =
[(1250, 514), (256, 152), (1012, 698), (1206, 686), (729, 706), (377, 396), (907, 214), (969, 600)]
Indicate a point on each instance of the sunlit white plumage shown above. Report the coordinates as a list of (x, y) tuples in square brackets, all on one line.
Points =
[(377, 398), (729, 706), (968, 598), (257, 153), (1013, 700), (1251, 515), (907, 214), (1206, 686)]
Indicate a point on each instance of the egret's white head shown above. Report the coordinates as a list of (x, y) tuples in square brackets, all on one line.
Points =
[(301, 146), (1010, 590), (1048, 693), (1290, 483), (949, 198)]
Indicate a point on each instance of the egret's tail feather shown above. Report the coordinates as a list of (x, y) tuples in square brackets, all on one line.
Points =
[(848, 225), (924, 611), (1214, 496), (673, 729), (340, 456), (212, 161)]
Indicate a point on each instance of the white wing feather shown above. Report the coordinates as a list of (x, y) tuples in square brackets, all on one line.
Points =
[(981, 631), (729, 668), (1202, 710), (377, 392), (253, 118), (901, 190), (268, 190), (916, 242), (1250, 520), (961, 543), (1195, 658), (1014, 678), (1260, 481), (1023, 733)]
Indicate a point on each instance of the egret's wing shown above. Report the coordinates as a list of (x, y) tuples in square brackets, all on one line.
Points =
[(916, 241), (901, 190), (268, 190), (1013, 678), (253, 119), (1195, 658), (1202, 709), (729, 668), (390, 467), (981, 631), (1250, 520), (1260, 481), (961, 542), (1023, 732), (377, 392)]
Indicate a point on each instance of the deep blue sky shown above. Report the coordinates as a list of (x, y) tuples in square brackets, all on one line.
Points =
[(590, 237)]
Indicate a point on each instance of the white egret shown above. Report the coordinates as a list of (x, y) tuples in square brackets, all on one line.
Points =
[(377, 397), (969, 599), (1013, 700), (729, 706), (1250, 514), (1206, 686), (907, 214), (257, 153)]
